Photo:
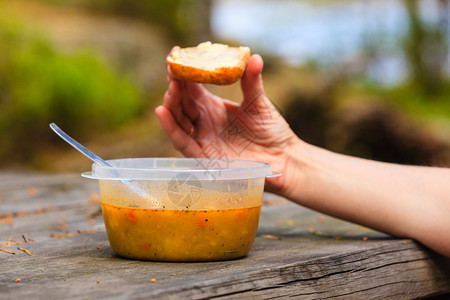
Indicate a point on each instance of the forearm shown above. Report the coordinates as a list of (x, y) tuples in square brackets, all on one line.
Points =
[(405, 201)]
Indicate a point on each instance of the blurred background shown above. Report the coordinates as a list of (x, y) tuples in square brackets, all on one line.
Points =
[(368, 78)]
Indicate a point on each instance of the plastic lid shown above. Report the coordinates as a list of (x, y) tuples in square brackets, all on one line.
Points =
[(168, 168)]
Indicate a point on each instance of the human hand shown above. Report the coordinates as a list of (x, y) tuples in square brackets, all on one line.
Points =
[(201, 124)]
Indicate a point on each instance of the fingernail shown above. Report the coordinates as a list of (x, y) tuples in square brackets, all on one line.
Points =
[(158, 108)]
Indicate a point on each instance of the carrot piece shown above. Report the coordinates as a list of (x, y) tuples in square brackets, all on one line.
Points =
[(144, 247), (201, 222), (131, 217)]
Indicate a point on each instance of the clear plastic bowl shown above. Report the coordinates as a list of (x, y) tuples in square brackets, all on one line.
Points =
[(181, 209)]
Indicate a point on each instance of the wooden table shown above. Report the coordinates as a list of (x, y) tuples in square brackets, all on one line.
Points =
[(296, 253)]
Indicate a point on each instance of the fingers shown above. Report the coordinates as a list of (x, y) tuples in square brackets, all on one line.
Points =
[(251, 82), (182, 141), (184, 95), (180, 111), (173, 99), (255, 102), (181, 103), (192, 92)]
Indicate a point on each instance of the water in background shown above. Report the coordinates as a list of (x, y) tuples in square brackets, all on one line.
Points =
[(329, 32)]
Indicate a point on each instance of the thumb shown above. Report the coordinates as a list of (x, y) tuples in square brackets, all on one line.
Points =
[(251, 82)]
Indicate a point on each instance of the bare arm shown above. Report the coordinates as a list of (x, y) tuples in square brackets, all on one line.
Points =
[(405, 201)]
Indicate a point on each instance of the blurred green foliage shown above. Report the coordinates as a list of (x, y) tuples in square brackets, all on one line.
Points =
[(412, 99), (38, 85), (425, 48), (185, 21)]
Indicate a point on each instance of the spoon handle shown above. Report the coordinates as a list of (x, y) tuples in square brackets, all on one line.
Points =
[(78, 146)]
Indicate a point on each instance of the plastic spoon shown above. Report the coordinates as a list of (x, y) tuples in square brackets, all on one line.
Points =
[(133, 186)]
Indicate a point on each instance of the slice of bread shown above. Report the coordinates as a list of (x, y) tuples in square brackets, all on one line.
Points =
[(209, 63)]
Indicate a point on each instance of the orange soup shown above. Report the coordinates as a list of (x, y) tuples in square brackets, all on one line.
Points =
[(181, 235)]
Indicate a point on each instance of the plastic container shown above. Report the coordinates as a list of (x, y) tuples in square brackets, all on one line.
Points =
[(180, 209)]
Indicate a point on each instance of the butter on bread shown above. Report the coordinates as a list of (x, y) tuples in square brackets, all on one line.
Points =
[(209, 63)]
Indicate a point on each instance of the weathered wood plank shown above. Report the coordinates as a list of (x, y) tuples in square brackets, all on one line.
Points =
[(359, 274), (71, 267), (32, 192), (307, 262), (51, 202)]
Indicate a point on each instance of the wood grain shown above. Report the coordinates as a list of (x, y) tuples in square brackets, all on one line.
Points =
[(313, 257)]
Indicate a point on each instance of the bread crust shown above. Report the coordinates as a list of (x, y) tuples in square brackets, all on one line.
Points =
[(223, 75)]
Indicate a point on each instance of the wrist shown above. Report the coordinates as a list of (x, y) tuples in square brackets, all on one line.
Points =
[(296, 159), (292, 166)]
